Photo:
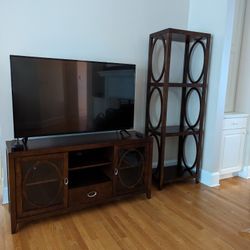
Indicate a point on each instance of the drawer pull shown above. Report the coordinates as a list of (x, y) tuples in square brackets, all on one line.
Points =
[(92, 194)]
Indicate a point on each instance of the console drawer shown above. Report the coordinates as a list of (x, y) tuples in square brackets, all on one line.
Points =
[(89, 194)]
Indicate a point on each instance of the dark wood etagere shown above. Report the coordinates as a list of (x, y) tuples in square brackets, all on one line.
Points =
[(178, 61)]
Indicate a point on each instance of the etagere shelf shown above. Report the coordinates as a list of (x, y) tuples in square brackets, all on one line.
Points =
[(178, 59)]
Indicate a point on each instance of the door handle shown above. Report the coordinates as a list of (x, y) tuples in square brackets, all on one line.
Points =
[(116, 171), (66, 181)]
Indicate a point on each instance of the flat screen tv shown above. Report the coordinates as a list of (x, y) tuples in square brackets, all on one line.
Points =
[(58, 96)]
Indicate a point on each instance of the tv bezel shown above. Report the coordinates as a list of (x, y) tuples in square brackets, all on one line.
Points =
[(69, 132)]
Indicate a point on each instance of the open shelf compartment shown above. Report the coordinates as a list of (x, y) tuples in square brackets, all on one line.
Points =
[(87, 176), (89, 158), (174, 173)]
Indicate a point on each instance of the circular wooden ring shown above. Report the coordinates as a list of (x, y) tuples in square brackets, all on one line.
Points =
[(164, 60), (189, 56), (184, 160), (161, 100), (186, 112)]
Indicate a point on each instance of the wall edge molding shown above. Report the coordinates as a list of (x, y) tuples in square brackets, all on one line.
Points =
[(245, 172), (5, 196), (211, 179)]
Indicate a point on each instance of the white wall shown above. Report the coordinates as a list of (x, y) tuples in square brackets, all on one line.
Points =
[(110, 30), (242, 103), (214, 17), (235, 55)]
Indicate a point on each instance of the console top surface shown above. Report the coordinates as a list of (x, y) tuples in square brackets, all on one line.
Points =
[(75, 142)]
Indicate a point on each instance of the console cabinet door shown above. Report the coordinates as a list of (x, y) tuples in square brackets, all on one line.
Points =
[(129, 170), (41, 184), (232, 151)]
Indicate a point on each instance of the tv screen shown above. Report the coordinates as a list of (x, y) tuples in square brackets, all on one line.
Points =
[(54, 96)]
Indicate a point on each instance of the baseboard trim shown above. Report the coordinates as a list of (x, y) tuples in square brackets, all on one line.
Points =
[(211, 179), (245, 172), (166, 163), (5, 196), (228, 175), (232, 171)]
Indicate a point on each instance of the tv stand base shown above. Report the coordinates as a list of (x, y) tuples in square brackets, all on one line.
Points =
[(76, 172)]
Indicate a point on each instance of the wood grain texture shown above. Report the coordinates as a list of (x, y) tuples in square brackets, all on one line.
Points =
[(35, 199), (162, 85), (182, 216)]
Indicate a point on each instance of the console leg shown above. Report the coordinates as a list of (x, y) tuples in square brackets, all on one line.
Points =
[(13, 227), (197, 180), (148, 194)]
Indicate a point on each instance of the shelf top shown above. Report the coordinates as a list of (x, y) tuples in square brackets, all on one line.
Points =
[(178, 85), (176, 131), (180, 35)]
